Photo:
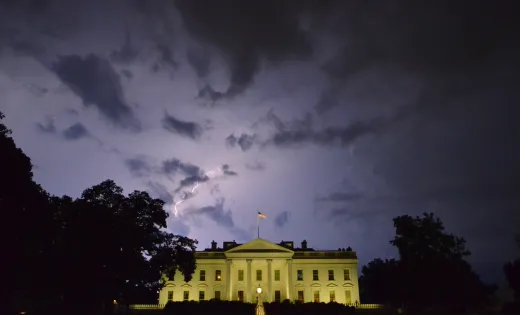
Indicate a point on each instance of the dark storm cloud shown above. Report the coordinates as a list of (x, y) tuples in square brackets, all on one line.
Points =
[(160, 191), (199, 59), (172, 166), (246, 33), (75, 132), (341, 197), (471, 160), (227, 171), (330, 135), (166, 56), (94, 80), (183, 128), (127, 73), (223, 218), (47, 127), (245, 141), (138, 166), (376, 36), (200, 176), (282, 219), (342, 215), (217, 214), (255, 166), (127, 53)]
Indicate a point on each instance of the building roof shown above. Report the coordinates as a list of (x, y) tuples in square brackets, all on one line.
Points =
[(260, 245)]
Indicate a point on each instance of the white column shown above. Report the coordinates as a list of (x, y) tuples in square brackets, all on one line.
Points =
[(248, 281), (228, 279), (269, 281), (290, 275)]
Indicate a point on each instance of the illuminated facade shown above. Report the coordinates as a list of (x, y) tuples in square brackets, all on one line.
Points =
[(235, 271)]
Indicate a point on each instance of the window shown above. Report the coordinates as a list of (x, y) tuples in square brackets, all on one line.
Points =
[(259, 275), (277, 275), (218, 275), (332, 296), (315, 275), (201, 295), (170, 295), (300, 296), (241, 296), (348, 297), (186, 295), (217, 295), (300, 275), (277, 296), (202, 275), (316, 296), (241, 275), (346, 274), (331, 275)]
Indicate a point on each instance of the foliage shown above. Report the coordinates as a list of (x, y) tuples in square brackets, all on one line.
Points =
[(28, 226), (512, 273), (85, 251), (432, 272), (373, 289)]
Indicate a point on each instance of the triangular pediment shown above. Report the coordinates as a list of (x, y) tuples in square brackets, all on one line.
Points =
[(259, 245)]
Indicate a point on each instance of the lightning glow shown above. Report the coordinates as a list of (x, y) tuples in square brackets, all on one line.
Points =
[(207, 176)]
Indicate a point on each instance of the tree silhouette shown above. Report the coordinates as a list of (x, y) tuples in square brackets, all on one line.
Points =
[(117, 241), (86, 252), (512, 273), (378, 282), (434, 272), (431, 274), (27, 232)]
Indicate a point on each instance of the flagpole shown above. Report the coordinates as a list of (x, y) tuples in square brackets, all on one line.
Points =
[(258, 226)]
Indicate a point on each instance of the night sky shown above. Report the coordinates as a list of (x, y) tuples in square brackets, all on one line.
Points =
[(331, 117)]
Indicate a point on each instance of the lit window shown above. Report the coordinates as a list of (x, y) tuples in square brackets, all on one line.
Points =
[(218, 275), (331, 275), (346, 274), (299, 275), (332, 295), (300, 296), (316, 296)]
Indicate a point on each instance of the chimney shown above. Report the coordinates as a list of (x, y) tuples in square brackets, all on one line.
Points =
[(349, 249), (213, 245), (304, 244)]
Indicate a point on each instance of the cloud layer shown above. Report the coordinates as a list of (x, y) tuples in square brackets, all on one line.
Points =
[(328, 115)]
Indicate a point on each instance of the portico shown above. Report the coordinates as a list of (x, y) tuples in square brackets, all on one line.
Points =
[(259, 259)]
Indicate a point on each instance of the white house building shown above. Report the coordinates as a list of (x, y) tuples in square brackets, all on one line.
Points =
[(235, 271)]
